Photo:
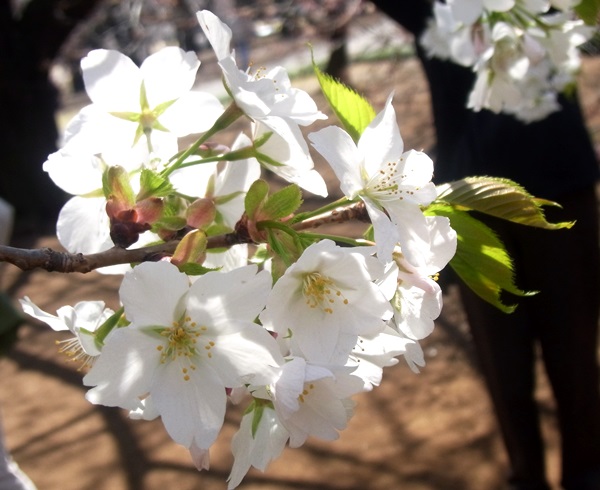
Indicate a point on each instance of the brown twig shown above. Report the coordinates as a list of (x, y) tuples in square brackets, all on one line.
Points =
[(56, 261)]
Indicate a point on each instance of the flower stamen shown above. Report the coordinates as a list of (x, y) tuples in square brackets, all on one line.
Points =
[(321, 291)]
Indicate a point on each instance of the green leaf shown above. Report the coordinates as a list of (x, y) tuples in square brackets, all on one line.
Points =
[(283, 203), (255, 197), (481, 260), (153, 184), (353, 110), (501, 198), (588, 11)]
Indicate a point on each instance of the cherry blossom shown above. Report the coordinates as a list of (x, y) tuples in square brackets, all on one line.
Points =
[(392, 183), (185, 345)]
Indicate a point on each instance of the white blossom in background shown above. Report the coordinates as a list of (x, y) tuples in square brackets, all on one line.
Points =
[(82, 320), (392, 183), (522, 54), (468, 11)]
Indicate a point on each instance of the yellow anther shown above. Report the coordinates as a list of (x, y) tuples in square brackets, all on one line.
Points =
[(319, 291)]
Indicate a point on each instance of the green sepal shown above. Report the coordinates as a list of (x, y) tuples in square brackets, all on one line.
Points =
[(127, 116), (285, 248), (257, 408), (220, 200), (192, 269), (109, 324), (257, 414), (267, 160), (282, 203), (261, 255), (501, 198), (162, 107), (152, 184), (217, 229), (481, 259), (255, 198), (353, 110), (172, 223)]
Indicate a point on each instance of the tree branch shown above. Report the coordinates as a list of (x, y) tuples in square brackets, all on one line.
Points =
[(55, 261)]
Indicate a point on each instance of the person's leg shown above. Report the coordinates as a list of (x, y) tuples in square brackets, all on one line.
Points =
[(566, 265), (505, 348)]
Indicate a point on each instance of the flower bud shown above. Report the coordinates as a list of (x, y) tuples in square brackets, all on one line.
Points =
[(201, 213), (191, 249)]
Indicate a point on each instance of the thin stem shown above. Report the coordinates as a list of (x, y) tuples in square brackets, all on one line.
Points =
[(355, 242), (324, 209), (232, 113)]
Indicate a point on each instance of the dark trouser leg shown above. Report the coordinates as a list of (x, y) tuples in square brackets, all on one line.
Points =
[(566, 316), (505, 347), (563, 265)]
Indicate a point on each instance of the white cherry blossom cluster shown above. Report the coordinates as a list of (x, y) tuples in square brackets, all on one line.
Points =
[(293, 331), (524, 52)]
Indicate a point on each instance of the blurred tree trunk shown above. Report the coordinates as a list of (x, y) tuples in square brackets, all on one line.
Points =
[(340, 16), (29, 41)]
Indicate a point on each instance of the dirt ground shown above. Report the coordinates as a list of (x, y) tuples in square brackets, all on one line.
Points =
[(431, 431)]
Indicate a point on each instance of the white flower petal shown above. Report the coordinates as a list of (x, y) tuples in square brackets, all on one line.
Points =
[(52, 321), (381, 142), (386, 233), (194, 112), (341, 153), (168, 74), (123, 372), (193, 181), (75, 174), (258, 449), (192, 410), (218, 33), (248, 357), (83, 225), (153, 293), (216, 298), (112, 80)]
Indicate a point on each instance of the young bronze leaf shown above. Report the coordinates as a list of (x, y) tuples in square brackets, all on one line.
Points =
[(501, 198)]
